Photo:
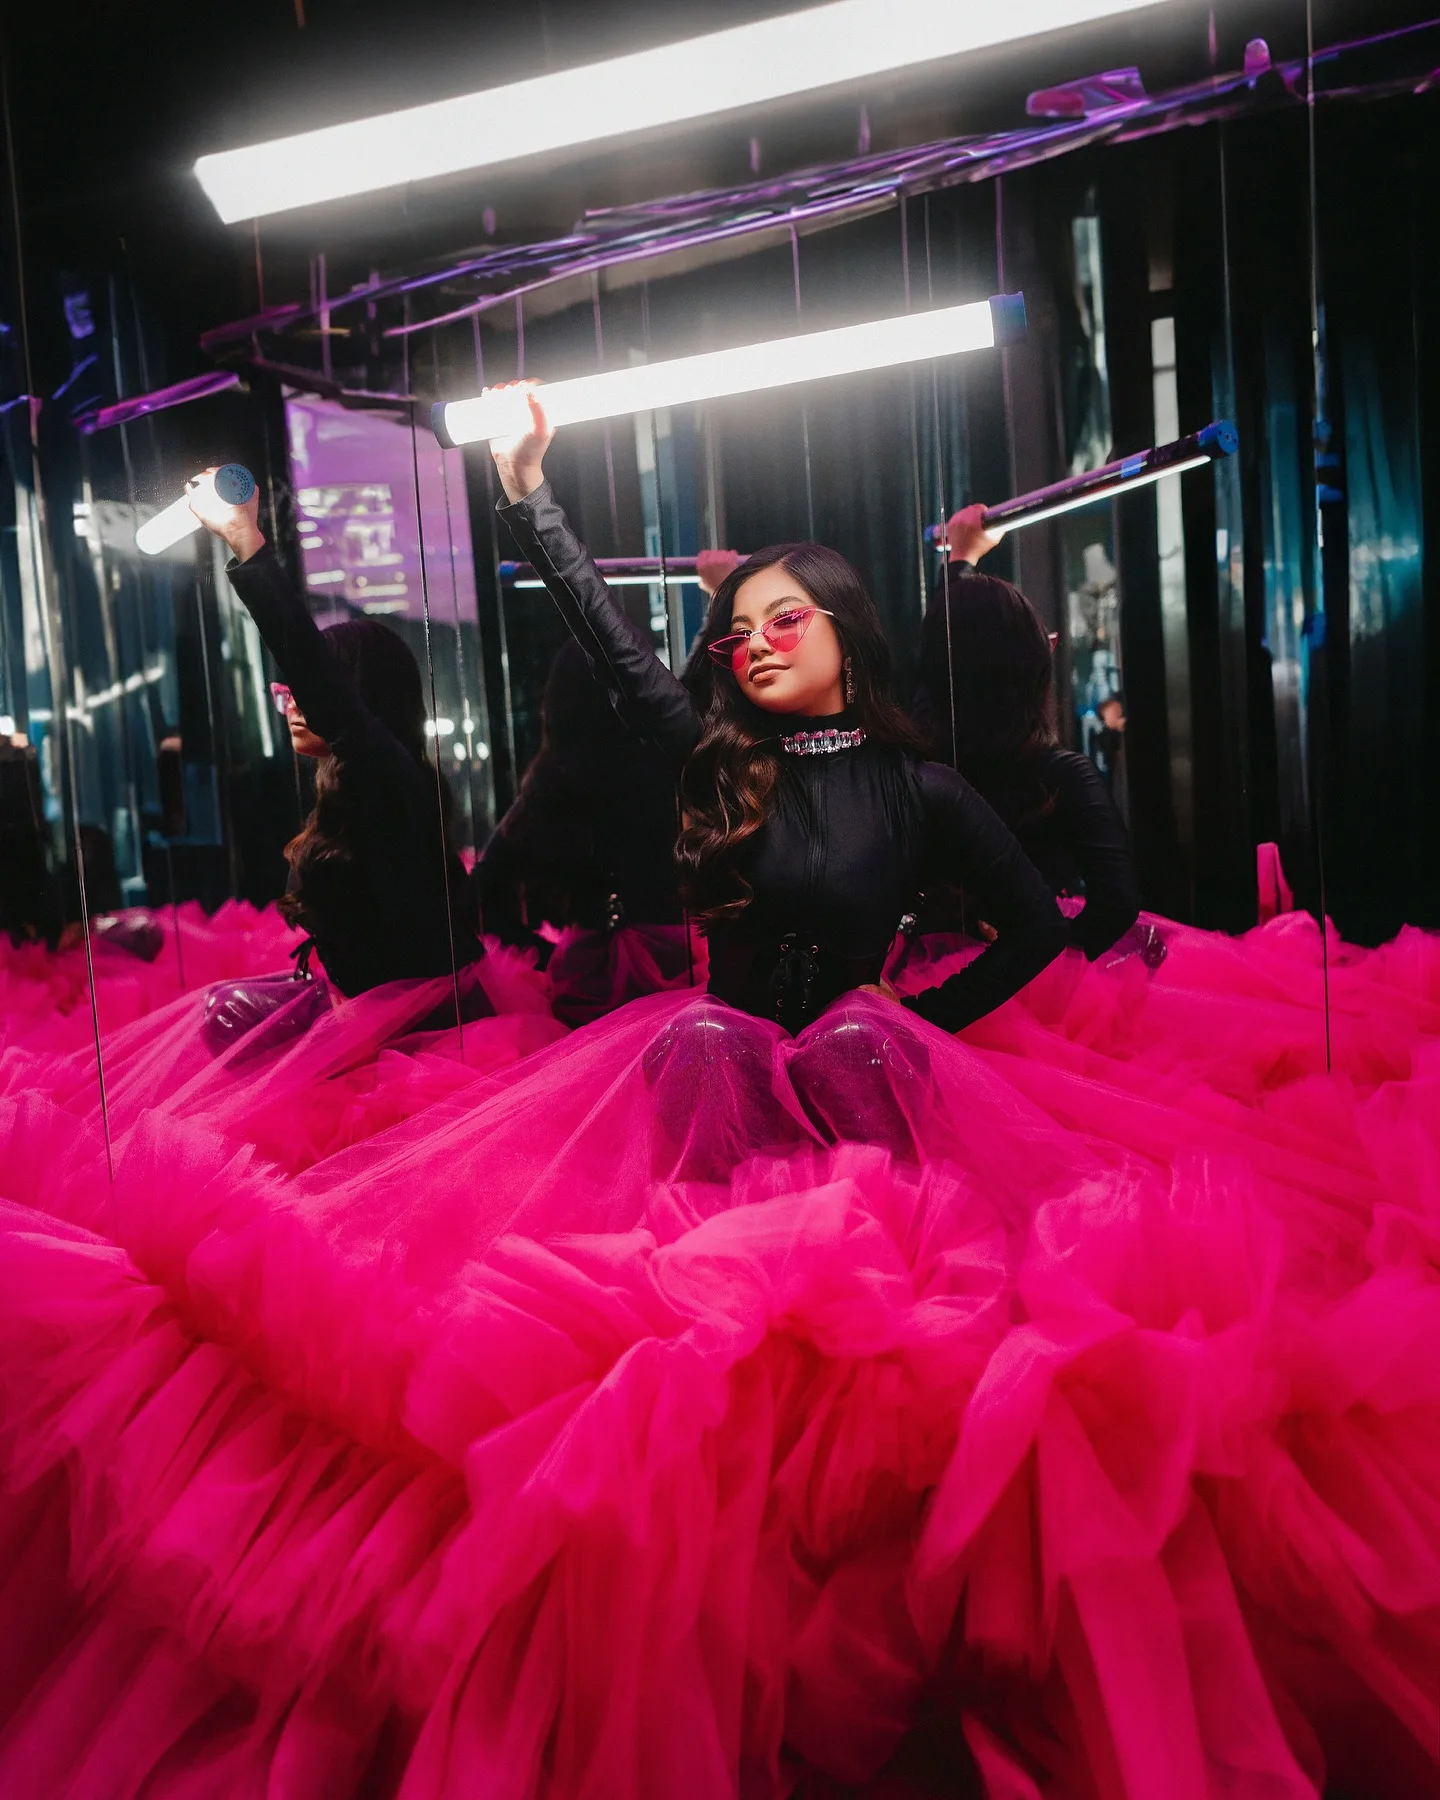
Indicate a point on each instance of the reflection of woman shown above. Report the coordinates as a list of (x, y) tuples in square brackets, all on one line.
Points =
[(30, 910), (589, 846), (373, 878), (986, 705)]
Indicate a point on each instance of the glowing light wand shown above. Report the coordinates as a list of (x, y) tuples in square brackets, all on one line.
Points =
[(1215, 441), (744, 369), (233, 483)]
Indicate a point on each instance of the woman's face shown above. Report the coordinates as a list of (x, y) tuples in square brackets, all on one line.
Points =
[(303, 740), (807, 679)]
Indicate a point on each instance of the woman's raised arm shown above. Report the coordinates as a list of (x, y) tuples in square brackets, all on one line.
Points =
[(649, 698), (331, 705)]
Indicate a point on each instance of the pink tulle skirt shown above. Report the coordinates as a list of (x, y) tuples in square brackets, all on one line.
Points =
[(593, 972), (676, 1408)]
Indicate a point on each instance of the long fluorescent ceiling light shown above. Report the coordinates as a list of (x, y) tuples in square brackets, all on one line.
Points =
[(880, 344), (722, 72)]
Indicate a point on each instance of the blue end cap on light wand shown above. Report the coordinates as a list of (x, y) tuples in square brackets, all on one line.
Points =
[(437, 425), (1219, 439), (1007, 318), (234, 483)]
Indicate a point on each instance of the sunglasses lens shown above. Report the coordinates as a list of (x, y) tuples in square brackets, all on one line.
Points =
[(281, 697), (729, 652), (785, 632)]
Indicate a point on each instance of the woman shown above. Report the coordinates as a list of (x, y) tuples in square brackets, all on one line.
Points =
[(811, 824), (986, 706), (373, 880), (811, 817)]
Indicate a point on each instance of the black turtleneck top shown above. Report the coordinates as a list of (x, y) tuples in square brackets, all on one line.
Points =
[(851, 838), (381, 913)]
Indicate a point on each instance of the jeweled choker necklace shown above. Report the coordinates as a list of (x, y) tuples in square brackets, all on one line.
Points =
[(822, 743)]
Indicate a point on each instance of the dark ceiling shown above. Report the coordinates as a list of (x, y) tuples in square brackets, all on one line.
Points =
[(111, 102)]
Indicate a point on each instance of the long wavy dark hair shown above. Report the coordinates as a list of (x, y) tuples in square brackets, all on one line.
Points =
[(988, 683), (384, 671), (731, 776)]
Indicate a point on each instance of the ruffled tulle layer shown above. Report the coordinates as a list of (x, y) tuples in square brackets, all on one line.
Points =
[(676, 1408), (825, 1481), (1245, 1016)]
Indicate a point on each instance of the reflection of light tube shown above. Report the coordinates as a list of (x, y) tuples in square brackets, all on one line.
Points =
[(619, 571), (879, 344), (233, 483), (534, 581), (1217, 440), (748, 65)]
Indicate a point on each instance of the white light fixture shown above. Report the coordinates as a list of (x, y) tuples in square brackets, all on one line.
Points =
[(745, 66), (880, 344), (233, 483)]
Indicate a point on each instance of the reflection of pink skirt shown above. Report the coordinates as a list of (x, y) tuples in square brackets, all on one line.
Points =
[(593, 972), (45, 995), (318, 1073), (690, 1410)]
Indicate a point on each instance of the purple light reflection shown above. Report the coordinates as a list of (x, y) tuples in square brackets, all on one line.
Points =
[(354, 486)]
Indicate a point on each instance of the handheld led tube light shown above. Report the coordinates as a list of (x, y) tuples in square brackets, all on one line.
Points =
[(233, 483), (748, 368), (1216, 441), (744, 66)]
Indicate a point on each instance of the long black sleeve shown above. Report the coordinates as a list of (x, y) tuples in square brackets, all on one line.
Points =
[(969, 844), (1096, 834), (324, 693), (650, 700)]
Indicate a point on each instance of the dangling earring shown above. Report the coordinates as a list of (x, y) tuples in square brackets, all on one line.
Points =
[(849, 682)]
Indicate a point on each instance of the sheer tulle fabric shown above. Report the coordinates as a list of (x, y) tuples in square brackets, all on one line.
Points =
[(1246, 1016), (679, 1408), (593, 972), (318, 1073), (142, 960)]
